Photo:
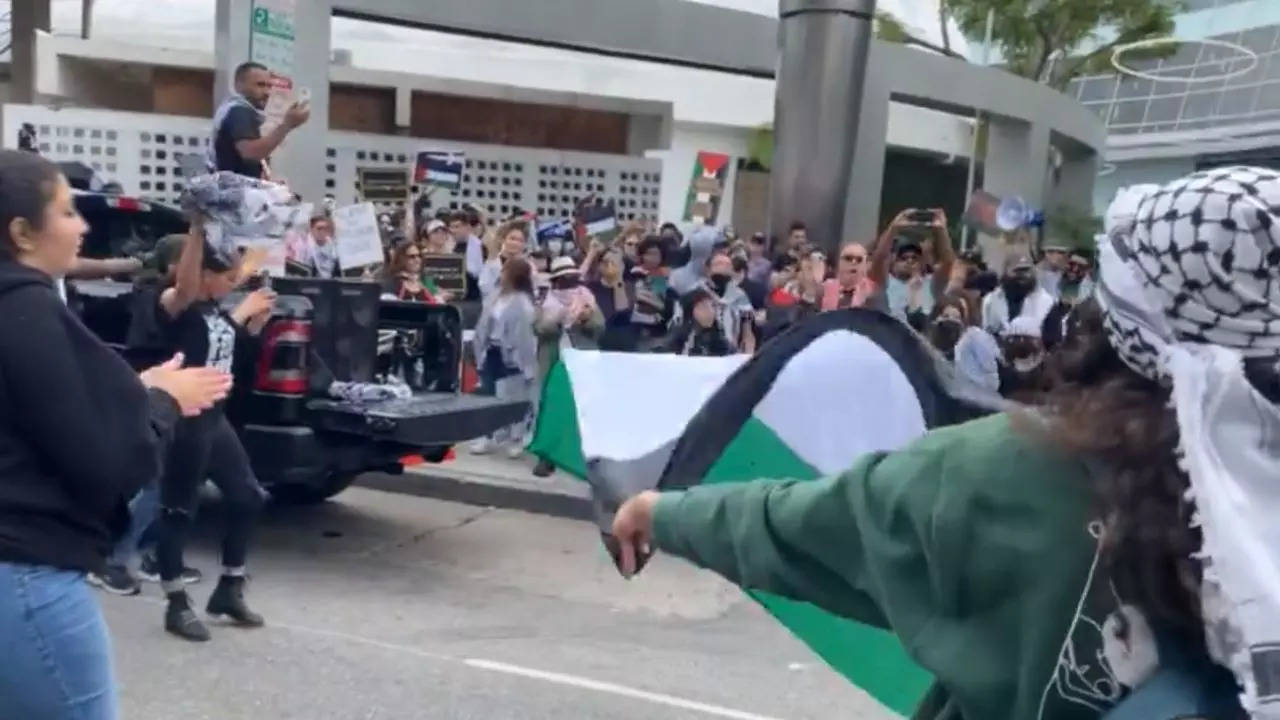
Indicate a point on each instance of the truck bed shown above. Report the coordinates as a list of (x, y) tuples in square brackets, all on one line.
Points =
[(422, 420)]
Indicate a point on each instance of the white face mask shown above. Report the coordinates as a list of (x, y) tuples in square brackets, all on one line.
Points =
[(555, 247), (1027, 364)]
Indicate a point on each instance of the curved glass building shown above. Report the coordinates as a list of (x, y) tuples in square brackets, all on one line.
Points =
[(1195, 117)]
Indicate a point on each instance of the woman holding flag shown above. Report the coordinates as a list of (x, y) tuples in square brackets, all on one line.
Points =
[(1111, 556)]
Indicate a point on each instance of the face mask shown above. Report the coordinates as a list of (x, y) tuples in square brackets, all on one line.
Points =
[(945, 333), (720, 283), (555, 247)]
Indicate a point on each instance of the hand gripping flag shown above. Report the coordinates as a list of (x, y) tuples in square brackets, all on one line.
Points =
[(808, 404)]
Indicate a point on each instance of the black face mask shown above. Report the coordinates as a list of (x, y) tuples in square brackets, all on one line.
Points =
[(944, 334), (720, 283)]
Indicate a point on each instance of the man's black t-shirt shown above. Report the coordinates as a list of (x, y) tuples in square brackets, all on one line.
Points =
[(241, 123)]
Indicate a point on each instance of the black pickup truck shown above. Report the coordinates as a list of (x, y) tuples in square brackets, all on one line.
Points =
[(306, 445)]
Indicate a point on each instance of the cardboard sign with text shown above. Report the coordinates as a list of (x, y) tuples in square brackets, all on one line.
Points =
[(448, 270), (383, 184), (355, 230)]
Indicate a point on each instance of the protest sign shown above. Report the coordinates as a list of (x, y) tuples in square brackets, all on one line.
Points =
[(355, 230), (706, 187), (448, 270), (553, 229), (439, 169), (383, 184), (599, 218)]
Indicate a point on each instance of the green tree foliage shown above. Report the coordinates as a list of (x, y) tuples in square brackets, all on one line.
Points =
[(1053, 41), (1072, 226)]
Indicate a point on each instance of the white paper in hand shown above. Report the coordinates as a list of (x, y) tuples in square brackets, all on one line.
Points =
[(355, 230)]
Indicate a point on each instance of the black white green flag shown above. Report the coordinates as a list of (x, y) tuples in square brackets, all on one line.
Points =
[(812, 401)]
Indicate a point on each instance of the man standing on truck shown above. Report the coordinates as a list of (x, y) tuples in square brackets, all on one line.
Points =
[(238, 143)]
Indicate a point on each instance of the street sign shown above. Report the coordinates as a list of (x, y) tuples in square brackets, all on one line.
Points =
[(271, 43)]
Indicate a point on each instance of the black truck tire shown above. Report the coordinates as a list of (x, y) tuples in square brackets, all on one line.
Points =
[(293, 494)]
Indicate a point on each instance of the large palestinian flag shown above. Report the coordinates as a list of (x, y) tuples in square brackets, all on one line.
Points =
[(808, 404)]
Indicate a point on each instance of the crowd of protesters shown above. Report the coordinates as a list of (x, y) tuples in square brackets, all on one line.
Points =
[(639, 289), (646, 289)]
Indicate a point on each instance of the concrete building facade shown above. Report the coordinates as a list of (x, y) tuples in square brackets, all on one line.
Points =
[(635, 120)]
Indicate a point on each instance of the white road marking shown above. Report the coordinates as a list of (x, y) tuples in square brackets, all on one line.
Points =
[(494, 666), (611, 688)]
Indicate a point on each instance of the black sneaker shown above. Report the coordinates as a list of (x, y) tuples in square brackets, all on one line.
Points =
[(544, 468), (116, 580), (228, 600), (181, 620), (150, 571)]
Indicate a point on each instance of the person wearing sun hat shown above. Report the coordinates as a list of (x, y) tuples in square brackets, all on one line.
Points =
[(567, 317), (1112, 554)]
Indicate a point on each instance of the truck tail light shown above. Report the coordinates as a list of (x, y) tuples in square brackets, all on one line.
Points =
[(282, 362)]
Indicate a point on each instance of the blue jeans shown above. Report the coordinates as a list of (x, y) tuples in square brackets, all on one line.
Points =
[(54, 644), (142, 512)]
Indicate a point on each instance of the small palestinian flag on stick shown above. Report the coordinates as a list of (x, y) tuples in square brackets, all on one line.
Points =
[(808, 404)]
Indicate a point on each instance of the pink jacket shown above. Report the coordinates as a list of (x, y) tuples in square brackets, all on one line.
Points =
[(831, 293)]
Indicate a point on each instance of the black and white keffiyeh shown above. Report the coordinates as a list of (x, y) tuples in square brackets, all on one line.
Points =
[(1190, 282)]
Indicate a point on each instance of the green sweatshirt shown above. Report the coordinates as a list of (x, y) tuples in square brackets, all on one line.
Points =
[(975, 545)]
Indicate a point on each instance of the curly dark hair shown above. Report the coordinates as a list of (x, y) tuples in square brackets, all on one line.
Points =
[(1102, 410), (650, 242)]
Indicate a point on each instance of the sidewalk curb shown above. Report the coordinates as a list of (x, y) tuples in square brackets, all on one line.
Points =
[(475, 489)]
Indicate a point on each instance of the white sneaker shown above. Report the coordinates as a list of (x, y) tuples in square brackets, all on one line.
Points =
[(515, 452), (480, 446)]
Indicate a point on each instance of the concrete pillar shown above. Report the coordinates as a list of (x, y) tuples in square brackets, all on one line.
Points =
[(1075, 182), (27, 17), (404, 109), (86, 18), (301, 159), (866, 180), (823, 62), (1017, 160)]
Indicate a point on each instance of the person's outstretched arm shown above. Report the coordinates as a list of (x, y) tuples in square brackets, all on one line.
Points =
[(859, 545), (187, 273), (883, 251), (944, 254)]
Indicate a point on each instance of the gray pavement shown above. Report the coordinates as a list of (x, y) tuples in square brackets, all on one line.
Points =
[(387, 605), (492, 481)]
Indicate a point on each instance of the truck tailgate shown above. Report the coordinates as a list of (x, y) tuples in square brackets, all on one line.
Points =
[(424, 420)]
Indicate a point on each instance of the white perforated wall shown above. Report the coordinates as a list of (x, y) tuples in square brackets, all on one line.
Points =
[(502, 180), (143, 152)]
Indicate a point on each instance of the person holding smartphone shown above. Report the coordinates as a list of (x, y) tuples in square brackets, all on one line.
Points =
[(908, 287), (238, 143)]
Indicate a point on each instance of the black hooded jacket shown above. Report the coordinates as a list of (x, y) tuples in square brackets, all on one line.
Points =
[(79, 434)]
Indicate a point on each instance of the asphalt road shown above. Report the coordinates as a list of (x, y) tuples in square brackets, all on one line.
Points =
[(387, 606)]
